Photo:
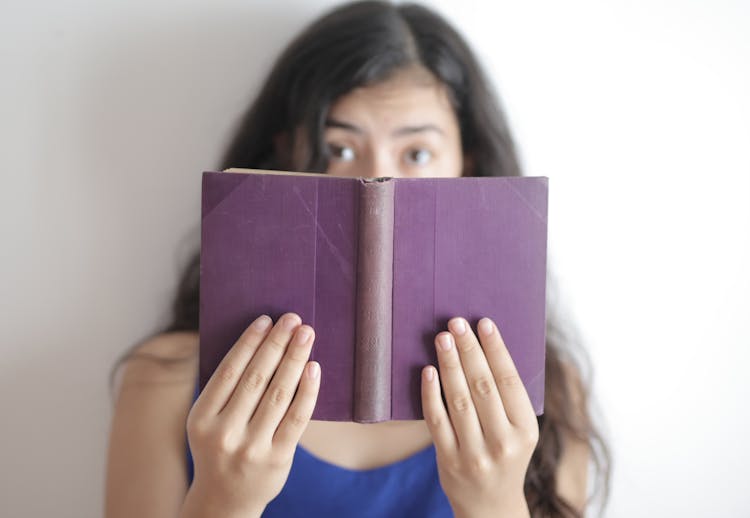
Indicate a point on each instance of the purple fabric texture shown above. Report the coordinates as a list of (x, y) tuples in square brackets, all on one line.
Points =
[(471, 247)]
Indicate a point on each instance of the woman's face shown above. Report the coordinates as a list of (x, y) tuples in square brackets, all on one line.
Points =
[(402, 127)]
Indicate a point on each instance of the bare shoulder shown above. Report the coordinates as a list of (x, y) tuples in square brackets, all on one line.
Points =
[(146, 466), (168, 357), (171, 345)]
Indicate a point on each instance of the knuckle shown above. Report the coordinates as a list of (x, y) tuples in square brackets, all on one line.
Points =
[(280, 460), (434, 420), (452, 364), (222, 443), (298, 354), (455, 466), (253, 381), (226, 373), (197, 427), (275, 343), (298, 419), (305, 393), (483, 387), (461, 403), (492, 345), (496, 448), (466, 346), (520, 444), (479, 465), (503, 449), (279, 395), (531, 436), (509, 380), (251, 453), (305, 390)]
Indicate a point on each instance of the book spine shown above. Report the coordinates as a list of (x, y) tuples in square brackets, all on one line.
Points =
[(372, 358)]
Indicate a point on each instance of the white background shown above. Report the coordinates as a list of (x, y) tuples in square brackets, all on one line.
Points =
[(638, 112)]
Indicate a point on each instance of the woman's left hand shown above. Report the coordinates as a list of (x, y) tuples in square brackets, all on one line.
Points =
[(485, 439)]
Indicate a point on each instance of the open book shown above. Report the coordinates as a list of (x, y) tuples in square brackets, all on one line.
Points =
[(377, 267)]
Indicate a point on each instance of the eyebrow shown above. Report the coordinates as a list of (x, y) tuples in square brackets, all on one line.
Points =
[(404, 130)]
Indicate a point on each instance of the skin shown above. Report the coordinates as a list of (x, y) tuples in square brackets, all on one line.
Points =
[(244, 427), (403, 127), (485, 438)]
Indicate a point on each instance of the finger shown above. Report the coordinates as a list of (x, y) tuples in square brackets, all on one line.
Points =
[(435, 415), (222, 382), (298, 415), (253, 382), (479, 377), (457, 396), (276, 400), (515, 399)]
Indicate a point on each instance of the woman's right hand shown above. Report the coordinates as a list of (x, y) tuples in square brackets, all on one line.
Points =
[(244, 427)]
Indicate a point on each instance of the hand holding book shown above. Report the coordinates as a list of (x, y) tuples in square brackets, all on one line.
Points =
[(485, 438), (275, 242), (245, 426), (248, 420)]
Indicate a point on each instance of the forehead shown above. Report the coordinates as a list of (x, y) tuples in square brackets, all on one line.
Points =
[(411, 96)]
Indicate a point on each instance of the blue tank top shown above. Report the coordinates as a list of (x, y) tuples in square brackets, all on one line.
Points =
[(407, 488)]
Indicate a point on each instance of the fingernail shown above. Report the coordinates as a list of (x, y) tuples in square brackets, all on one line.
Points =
[(445, 342), (303, 335), (429, 374), (485, 326), (313, 370), (261, 323), (457, 326), (290, 321)]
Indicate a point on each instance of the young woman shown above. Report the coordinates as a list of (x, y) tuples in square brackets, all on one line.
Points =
[(371, 89)]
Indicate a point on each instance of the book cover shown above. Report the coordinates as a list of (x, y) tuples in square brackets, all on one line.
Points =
[(377, 267)]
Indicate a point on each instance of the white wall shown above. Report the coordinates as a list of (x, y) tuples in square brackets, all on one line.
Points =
[(639, 112)]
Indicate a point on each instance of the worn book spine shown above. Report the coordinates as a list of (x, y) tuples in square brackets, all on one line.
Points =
[(372, 363)]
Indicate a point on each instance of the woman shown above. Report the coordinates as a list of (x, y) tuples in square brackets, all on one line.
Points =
[(371, 89)]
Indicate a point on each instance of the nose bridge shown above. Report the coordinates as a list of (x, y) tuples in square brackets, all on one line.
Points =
[(381, 162)]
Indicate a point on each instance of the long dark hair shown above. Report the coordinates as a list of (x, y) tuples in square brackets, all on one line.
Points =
[(364, 43)]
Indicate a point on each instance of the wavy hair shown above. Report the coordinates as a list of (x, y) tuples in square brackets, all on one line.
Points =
[(361, 44)]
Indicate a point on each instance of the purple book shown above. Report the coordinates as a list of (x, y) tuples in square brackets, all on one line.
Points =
[(377, 267)]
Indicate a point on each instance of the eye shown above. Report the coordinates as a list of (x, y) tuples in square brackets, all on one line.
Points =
[(341, 153), (418, 156)]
